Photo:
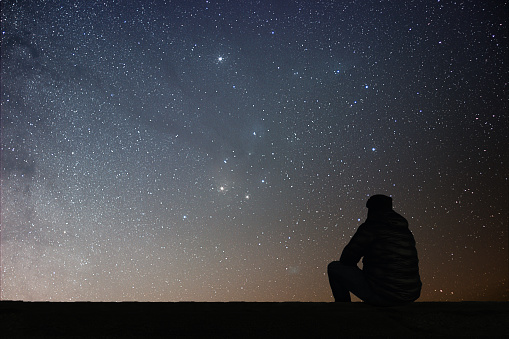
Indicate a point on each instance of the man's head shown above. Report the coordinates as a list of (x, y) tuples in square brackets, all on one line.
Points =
[(379, 202)]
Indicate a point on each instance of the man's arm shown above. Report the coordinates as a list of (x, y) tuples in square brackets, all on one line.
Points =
[(357, 247)]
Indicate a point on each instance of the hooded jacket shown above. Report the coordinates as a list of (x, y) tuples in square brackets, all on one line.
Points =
[(390, 262)]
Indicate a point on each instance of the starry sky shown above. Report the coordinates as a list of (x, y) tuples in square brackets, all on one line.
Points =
[(224, 150)]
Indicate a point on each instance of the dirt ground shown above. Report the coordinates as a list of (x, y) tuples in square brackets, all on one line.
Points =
[(251, 320)]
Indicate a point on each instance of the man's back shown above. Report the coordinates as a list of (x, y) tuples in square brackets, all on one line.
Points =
[(390, 261)]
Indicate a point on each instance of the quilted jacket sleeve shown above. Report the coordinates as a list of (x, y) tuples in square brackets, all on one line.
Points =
[(358, 245)]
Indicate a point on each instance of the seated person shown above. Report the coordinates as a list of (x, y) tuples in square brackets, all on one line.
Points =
[(390, 274)]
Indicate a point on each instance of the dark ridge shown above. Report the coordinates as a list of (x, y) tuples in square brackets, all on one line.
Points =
[(247, 319)]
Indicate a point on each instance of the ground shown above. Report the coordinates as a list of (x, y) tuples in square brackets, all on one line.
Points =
[(243, 319)]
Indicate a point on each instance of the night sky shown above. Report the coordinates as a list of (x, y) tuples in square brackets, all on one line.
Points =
[(224, 150)]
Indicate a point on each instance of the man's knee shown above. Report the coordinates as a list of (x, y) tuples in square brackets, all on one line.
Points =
[(334, 266), (340, 270)]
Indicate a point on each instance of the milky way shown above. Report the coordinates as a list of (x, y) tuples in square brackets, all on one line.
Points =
[(220, 151)]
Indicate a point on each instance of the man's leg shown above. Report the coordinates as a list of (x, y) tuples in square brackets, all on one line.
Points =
[(340, 291), (344, 279)]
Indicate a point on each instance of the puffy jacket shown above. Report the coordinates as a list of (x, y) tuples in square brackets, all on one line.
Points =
[(390, 262)]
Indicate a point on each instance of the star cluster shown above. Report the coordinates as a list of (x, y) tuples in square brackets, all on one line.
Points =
[(219, 150)]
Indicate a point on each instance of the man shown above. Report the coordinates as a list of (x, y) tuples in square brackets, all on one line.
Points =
[(390, 274)]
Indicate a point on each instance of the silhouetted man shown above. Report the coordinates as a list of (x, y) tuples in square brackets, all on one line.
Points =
[(390, 274)]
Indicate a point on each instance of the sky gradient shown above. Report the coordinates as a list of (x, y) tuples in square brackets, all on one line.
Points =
[(224, 150)]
